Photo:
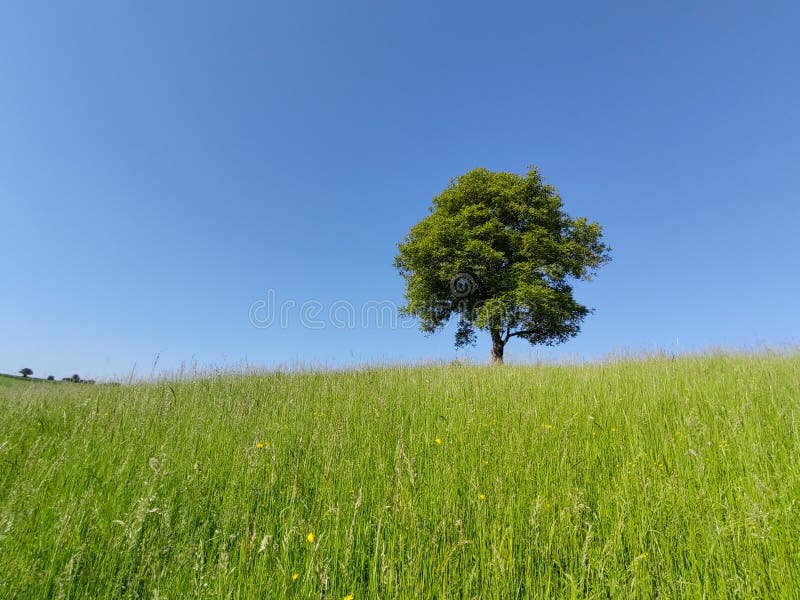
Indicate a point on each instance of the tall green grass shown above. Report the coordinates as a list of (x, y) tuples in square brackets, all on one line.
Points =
[(650, 478)]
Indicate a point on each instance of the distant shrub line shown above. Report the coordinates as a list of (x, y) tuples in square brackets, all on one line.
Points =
[(27, 372)]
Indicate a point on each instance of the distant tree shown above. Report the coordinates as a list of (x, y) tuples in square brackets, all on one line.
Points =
[(26, 372), (50, 378), (75, 378), (499, 251)]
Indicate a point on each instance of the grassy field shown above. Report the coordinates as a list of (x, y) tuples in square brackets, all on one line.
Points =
[(6, 379), (650, 478)]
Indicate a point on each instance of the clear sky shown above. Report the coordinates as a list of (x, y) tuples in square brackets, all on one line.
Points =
[(164, 165)]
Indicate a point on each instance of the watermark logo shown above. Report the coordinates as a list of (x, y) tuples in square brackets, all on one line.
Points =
[(463, 285), (312, 314), (270, 311)]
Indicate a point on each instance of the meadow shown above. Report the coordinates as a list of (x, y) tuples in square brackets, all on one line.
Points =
[(654, 477)]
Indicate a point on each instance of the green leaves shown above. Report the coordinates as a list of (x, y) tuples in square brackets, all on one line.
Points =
[(510, 235)]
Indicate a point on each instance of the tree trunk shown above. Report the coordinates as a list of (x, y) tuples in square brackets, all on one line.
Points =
[(497, 346)]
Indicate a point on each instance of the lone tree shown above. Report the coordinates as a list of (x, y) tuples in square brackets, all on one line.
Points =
[(26, 372), (498, 250)]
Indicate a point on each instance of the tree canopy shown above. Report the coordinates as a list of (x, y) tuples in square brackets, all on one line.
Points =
[(499, 252)]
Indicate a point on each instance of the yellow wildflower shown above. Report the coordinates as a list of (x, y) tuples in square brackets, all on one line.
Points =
[(295, 576), (310, 537), (438, 441), (481, 496)]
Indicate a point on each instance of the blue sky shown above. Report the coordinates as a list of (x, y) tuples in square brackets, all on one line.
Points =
[(163, 167)]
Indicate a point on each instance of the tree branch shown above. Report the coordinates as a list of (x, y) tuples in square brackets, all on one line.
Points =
[(521, 332)]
